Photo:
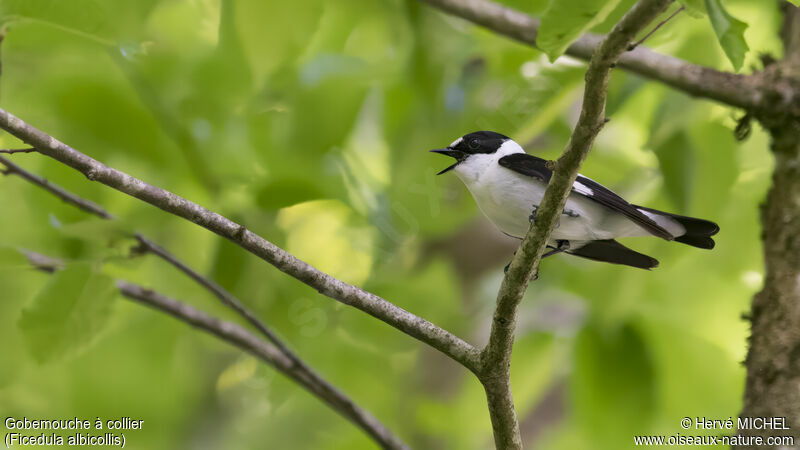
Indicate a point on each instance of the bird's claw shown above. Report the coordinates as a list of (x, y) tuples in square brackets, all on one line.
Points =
[(532, 217)]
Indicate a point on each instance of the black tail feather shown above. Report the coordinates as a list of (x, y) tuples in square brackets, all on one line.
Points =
[(613, 252), (696, 241), (698, 231)]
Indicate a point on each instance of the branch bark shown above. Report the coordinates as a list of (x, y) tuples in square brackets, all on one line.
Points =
[(773, 359), (496, 356), (414, 326), (743, 91)]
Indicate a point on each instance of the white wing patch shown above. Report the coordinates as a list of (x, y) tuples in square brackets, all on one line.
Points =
[(582, 189), (666, 222)]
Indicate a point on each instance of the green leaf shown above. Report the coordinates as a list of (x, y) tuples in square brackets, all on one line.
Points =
[(68, 313), (794, 2), (676, 159), (102, 21), (12, 258), (730, 32), (695, 8), (96, 229), (613, 382), (287, 192), (563, 22)]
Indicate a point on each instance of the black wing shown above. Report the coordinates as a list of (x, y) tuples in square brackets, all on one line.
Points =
[(537, 168), (611, 251), (527, 165)]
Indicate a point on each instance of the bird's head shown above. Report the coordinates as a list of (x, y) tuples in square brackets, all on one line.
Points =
[(467, 148)]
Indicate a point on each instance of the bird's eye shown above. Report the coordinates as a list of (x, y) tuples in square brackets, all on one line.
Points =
[(474, 144)]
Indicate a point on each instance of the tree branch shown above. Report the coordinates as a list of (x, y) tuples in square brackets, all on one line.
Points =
[(414, 326), (743, 91), (320, 385), (81, 203), (310, 379), (11, 151), (270, 354), (223, 295), (773, 372), (496, 356), (240, 337)]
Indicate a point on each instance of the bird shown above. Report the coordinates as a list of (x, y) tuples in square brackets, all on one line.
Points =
[(508, 185)]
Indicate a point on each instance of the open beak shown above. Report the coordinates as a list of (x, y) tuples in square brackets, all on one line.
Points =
[(458, 155)]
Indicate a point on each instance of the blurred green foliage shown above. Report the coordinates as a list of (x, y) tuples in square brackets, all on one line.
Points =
[(310, 123)]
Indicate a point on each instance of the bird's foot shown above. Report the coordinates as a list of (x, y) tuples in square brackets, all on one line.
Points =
[(561, 246), (532, 217), (570, 213)]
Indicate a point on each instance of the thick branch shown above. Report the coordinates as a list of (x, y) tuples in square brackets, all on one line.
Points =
[(81, 203), (773, 359), (731, 89), (324, 283), (496, 357)]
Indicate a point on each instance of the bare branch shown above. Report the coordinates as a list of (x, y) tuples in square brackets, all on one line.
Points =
[(496, 356), (223, 295), (11, 151), (240, 337), (320, 385), (267, 352), (85, 205), (310, 379), (741, 91), (414, 326)]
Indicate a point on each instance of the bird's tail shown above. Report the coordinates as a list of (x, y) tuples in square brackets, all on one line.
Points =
[(698, 231)]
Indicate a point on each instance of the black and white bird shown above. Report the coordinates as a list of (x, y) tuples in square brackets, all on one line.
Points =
[(508, 185)]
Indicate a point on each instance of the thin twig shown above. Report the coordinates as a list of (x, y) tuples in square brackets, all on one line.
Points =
[(651, 32), (413, 325), (496, 356), (743, 91), (267, 352), (310, 379), (232, 302), (85, 205), (223, 295), (11, 151), (240, 337)]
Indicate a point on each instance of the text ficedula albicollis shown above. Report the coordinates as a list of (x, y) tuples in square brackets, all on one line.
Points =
[(508, 185)]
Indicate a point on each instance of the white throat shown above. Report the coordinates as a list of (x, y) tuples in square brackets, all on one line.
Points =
[(478, 165)]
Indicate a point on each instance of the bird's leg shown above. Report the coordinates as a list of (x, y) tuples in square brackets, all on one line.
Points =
[(561, 246), (505, 269), (570, 213), (532, 217)]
